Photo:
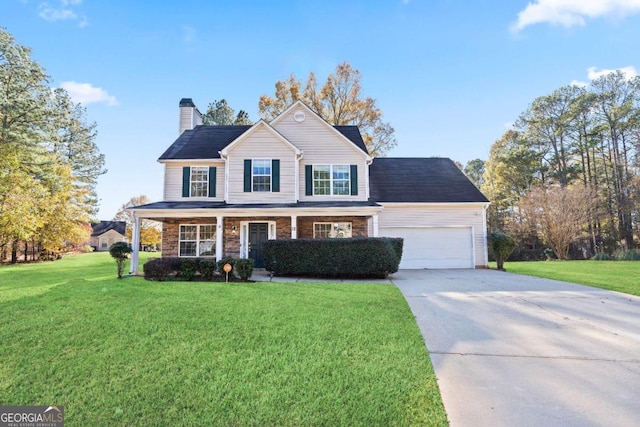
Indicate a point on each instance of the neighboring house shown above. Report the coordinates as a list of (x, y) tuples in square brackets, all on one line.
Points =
[(106, 233), (227, 189)]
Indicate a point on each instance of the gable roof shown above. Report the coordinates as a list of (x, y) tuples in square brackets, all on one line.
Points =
[(206, 142), (420, 180), (104, 226), (260, 124), (350, 132)]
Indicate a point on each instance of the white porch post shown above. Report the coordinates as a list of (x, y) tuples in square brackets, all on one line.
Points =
[(219, 236), (375, 225), (135, 245), (294, 227)]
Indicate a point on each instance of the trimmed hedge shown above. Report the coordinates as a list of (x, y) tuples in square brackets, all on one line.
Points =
[(157, 269), (244, 268), (602, 256), (355, 258), (161, 269), (631, 255)]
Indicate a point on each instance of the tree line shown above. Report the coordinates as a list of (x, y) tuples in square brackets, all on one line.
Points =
[(339, 101), (568, 174), (49, 161)]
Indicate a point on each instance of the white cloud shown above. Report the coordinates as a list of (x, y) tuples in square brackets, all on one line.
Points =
[(63, 11), (51, 14), (86, 93), (593, 73), (572, 12), (629, 72)]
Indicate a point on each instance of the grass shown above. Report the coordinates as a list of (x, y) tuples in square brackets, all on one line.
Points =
[(621, 276), (138, 353)]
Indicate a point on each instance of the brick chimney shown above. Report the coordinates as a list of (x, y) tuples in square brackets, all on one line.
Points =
[(190, 116)]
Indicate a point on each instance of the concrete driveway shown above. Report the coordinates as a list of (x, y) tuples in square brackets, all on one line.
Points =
[(512, 350)]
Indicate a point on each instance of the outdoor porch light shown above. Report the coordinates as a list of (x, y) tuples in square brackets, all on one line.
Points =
[(233, 229)]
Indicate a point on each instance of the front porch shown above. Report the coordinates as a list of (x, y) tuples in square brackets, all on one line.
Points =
[(239, 231)]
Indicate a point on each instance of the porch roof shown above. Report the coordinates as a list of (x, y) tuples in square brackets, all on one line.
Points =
[(192, 209)]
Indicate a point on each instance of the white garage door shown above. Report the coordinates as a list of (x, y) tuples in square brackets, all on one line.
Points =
[(434, 247)]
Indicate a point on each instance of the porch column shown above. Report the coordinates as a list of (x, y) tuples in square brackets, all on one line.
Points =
[(375, 225), (135, 245), (219, 236), (294, 227)]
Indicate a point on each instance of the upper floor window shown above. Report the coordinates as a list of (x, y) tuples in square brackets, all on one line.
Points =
[(261, 175), (331, 180), (199, 181)]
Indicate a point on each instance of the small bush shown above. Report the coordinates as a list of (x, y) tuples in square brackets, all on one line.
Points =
[(207, 269), (602, 256), (120, 252), (628, 256), (188, 268), (158, 269), (244, 268), (548, 252), (501, 245)]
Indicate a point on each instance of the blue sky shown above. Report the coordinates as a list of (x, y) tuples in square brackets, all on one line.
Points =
[(449, 75)]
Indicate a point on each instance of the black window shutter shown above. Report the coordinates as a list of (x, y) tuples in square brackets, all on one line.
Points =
[(308, 180), (275, 175), (354, 180), (212, 181), (186, 181), (247, 176)]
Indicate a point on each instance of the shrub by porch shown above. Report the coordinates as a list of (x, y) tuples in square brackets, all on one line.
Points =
[(353, 258), (206, 269)]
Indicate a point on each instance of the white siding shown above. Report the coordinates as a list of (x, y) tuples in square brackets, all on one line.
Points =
[(322, 145), (261, 144), (173, 181), (439, 215)]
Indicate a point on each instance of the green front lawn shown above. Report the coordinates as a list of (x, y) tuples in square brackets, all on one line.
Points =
[(621, 276), (138, 353)]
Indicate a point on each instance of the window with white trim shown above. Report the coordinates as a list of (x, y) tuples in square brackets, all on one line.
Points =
[(197, 241), (261, 175), (331, 230), (199, 181), (331, 180)]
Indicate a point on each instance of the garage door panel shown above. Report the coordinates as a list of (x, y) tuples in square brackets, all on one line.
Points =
[(433, 247)]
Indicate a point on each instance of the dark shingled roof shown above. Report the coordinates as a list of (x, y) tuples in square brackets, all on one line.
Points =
[(435, 180), (205, 142), (353, 134), (187, 102), (104, 226)]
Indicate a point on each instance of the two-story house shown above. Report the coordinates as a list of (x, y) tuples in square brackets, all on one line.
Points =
[(227, 189)]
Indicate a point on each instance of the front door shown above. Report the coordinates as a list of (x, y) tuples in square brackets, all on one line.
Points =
[(258, 234)]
